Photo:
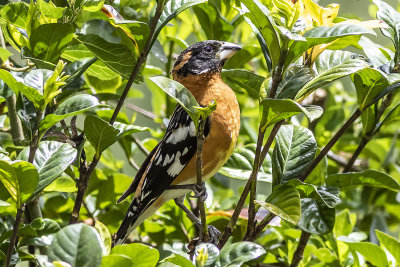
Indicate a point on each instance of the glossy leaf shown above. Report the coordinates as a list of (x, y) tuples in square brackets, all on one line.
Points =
[(239, 253), (77, 244), (48, 41), (243, 80), (331, 65), (240, 165), (171, 9), (126, 129), (390, 243), (117, 57), (284, 201), (261, 18), (316, 218), (374, 254), (346, 181), (294, 150), (50, 10), (51, 159), (296, 76), (323, 35), (74, 105), (206, 254), (100, 133), (115, 260), (140, 254)]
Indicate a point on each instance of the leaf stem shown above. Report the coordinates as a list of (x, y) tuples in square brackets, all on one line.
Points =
[(16, 130), (298, 254), (13, 238), (86, 172), (199, 169)]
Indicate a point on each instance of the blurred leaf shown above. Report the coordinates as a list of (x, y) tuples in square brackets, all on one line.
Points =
[(105, 237), (117, 57), (100, 133), (4, 54), (260, 16), (77, 244), (240, 165), (243, 79), (20, 178), (331, 65), (323, 35), (316, 217), (74, 105), (373, 178), (15, 13), (115, 260), (374, 254), (51, 159), (48, 41), (179, 261), (294, 150), (369, 83), (50, 10), (373, 51), (344, 223), (140, 254), (390, 243), (171, 9), (393, 115), (284, 201), (50, 227), (214, 25), (239, 253), (206, 254)]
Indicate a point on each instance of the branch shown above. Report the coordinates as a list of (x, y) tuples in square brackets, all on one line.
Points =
[(298, 254), (85, 173), (142, 111), (350, 165), (16, 129), (13, 239), (341, 161), (199, 166), (140, 146)]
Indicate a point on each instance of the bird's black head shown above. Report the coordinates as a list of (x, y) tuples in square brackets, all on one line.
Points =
[(204, 57)]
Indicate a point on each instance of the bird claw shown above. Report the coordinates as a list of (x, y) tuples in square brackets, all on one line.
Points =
[(213, 235), (200, 192)]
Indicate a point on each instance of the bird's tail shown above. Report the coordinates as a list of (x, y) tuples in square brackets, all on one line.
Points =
[(128, 224)]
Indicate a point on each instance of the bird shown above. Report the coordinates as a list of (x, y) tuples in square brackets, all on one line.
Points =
[(169, 171)]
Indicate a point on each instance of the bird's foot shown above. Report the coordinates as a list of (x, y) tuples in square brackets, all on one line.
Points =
[(200, 192)]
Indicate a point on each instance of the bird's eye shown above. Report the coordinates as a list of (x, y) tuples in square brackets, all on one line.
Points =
[(208, 49)]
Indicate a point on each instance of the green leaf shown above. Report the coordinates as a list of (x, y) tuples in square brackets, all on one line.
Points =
[(140, 254), (179, 260), (31, 93), (296, 76), (126, 129), (316, 217), (90, 5), (392, 18), (15, 13), (344, 223), (323, 35), (261, 18), (390, 243), (77, 244), (393, 115), (171, 9), (284, 201), (81, 67), (48, 41), (243, 80), (117, 57), (331, 65), (50, 227), (213, 24), (369, 83), (51, 160), (372, 253), (240, 165), (100, 133), (49, 10), (238, 253), (105, 237), (206, 254), (20, 178), (115, 260), (74, 105), (178, 92), (41, 64), (373, 178), (294, 150), (136, 30), (275, 110), (4, 54)]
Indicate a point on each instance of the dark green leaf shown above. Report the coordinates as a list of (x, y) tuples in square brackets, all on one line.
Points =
[(140, 254), (41, 64), (296, 76), (316, 218), (100, 133), (77, 244), (214, 25), (240, 252), (117, 57), (374, 178), (284, 201), (393, 115), (294, 150), (372, 253), (51, 159), (48, 41), (390, 243), (243, 80), (72, 106)]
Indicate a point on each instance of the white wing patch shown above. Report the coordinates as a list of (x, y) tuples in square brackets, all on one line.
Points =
[(159, 159), (178, 135), (192, 129), (168, 159), (176, 166)]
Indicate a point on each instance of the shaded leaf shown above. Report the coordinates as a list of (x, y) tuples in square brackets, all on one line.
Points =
[(140, 254), (316, 218), (240, 80), (296, 76), (239, 253), (206, 254)]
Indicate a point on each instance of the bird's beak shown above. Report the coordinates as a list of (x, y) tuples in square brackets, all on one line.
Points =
[(227, 50)]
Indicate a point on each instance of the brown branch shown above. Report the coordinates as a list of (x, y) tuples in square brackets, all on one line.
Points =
[(13, 238), (350, 165), (298, 254), (142, 111)]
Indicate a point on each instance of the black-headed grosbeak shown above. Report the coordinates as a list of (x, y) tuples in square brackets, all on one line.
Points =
[(173, 160)]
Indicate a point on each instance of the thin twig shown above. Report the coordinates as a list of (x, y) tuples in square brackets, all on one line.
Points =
[(199, 170), (298, 254), (85, 173), (350, 165), (341, 161), (142, 111), (140, 146), (13, 238), (260, 227)]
